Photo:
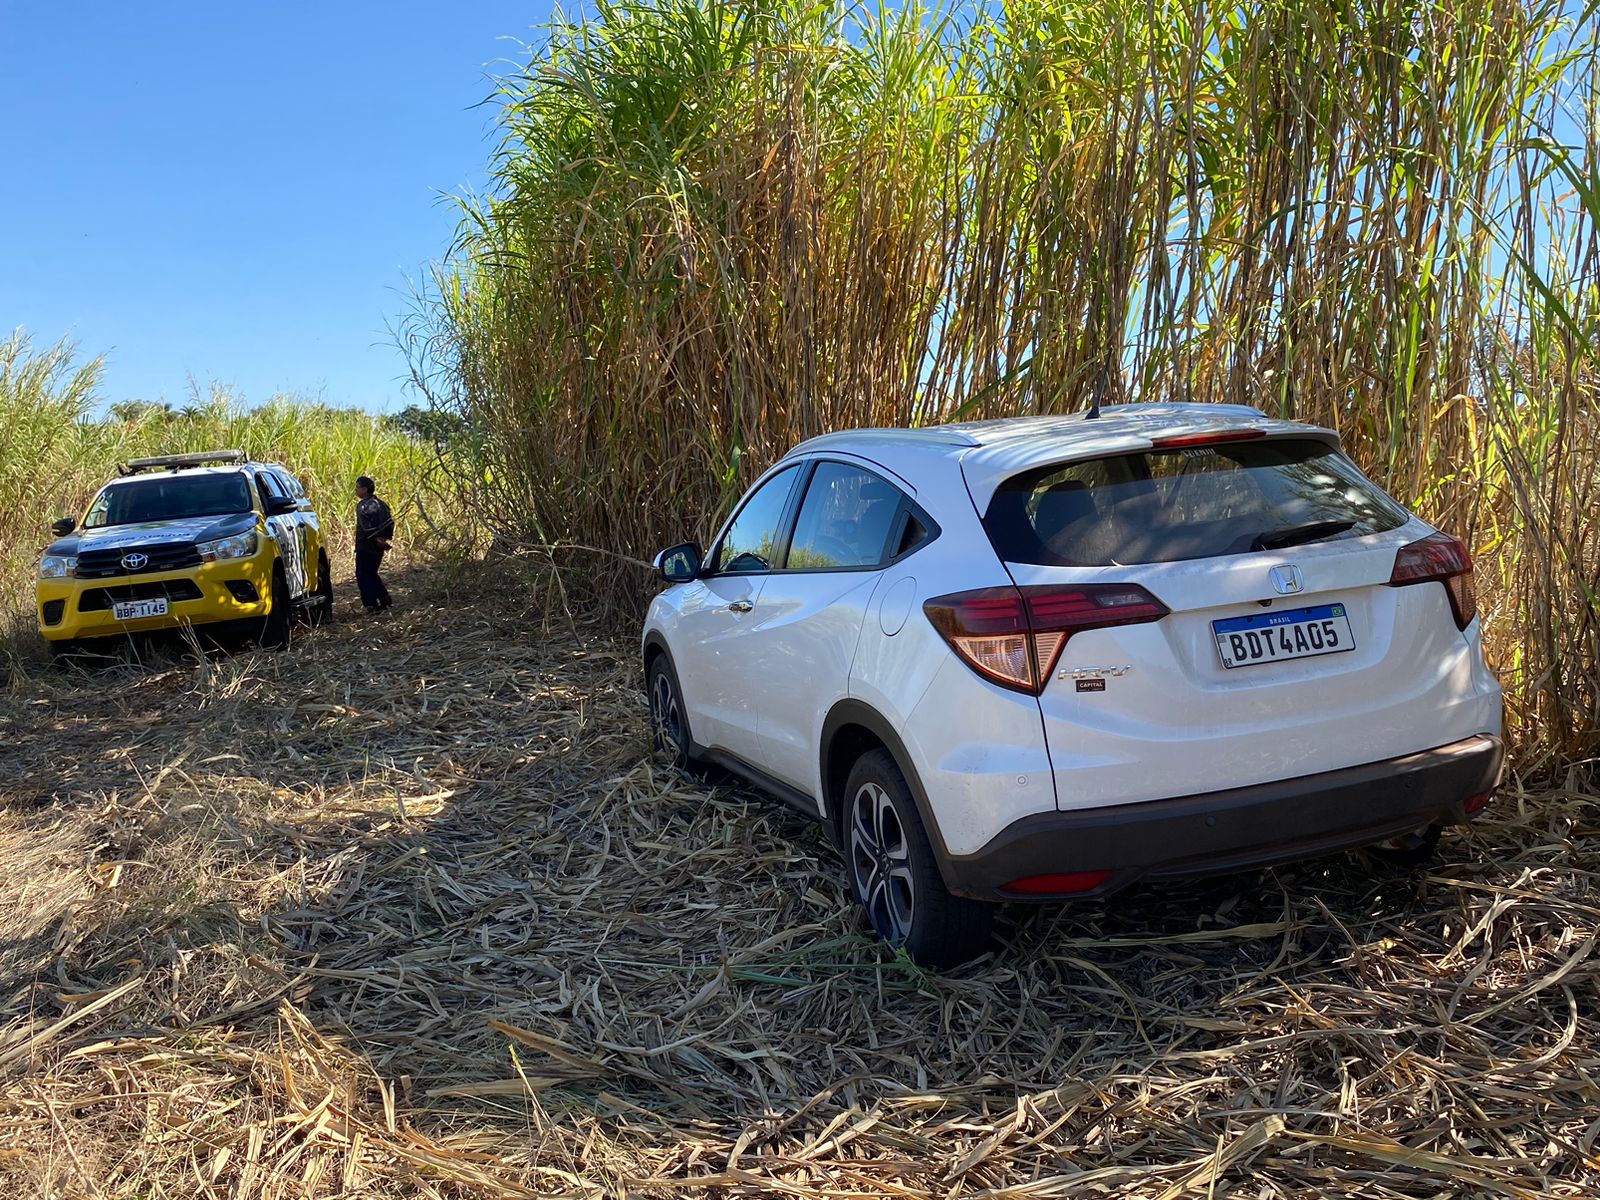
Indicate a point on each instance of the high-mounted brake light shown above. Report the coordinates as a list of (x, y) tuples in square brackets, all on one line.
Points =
[(1013, 636), (1206, 439), (1445, 559)]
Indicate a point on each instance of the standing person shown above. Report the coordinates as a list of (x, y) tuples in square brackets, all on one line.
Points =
[(374, 528)]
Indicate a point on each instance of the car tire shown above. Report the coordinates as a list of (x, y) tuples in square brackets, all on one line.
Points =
[(275, 626), (894, 876), (322, 610), (669, 723), (67, 653)]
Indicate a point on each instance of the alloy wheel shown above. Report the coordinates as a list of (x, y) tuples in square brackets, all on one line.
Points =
[(880, 858), (666, 718)]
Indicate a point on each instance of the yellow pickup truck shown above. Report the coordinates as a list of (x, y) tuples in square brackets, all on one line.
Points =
[(189, 539)]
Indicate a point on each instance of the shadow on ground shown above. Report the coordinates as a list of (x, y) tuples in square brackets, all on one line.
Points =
[(409, 906)]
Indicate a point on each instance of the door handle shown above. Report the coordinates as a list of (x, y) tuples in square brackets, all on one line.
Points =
[(740, 606)]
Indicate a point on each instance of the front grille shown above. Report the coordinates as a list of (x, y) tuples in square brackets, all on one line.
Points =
[(52, 610), (175, 590), (107, 564)]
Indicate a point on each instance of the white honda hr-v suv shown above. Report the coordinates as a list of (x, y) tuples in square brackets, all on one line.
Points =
[(1042, 658)]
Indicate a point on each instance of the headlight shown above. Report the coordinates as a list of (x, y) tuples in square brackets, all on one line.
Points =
[(58, 566), (240, 545)]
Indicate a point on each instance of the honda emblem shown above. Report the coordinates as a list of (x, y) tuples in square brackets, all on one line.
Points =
[(1287, 580)]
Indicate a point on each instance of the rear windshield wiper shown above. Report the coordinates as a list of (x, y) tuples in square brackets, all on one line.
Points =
[(1294, 535)]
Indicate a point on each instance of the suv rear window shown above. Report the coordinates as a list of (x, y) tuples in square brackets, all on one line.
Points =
[(1185, 503)]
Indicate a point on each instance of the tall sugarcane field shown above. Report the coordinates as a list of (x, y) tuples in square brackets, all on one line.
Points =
[(419, 907)]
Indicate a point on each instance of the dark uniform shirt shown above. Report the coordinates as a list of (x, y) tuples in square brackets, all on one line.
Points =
[(374, 523)]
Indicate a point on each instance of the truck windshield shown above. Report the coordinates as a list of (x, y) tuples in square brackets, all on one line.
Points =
[(168, 498), (1186, 503)]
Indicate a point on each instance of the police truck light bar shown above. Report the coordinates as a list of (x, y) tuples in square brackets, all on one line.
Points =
[(177, 461)]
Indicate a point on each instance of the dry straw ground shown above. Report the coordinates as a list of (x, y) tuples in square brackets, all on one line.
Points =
[(409, 911)]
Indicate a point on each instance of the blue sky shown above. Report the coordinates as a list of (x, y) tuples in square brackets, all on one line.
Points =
[(239, 192)]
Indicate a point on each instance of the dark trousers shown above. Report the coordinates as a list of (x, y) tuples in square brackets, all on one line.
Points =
[(373, 594)]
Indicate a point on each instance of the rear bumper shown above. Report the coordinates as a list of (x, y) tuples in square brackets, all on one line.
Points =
[(1238, 828)]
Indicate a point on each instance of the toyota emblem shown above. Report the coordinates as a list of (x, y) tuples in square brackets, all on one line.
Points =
[(135, 561)]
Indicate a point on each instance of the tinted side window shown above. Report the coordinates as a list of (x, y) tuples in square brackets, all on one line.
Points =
[(99, 512), (915, 534), (845, 520), (751, 543), (290, 484), (271, 489)]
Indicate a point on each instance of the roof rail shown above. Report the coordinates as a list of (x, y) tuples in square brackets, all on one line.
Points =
[(178, 461)]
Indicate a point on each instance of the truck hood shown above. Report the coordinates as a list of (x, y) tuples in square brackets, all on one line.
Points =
[(153, 533)]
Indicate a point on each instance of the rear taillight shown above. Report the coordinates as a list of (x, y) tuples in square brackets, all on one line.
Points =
[(1442, 558), (1013, 636)]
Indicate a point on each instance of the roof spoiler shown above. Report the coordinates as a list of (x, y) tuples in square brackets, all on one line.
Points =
[(176, 462)]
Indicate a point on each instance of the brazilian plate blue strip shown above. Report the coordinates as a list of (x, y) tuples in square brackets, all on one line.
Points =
[(1290, 616)]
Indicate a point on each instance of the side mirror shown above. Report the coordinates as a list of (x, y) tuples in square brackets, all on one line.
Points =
[(680, 563), (63, 527), (276, 508)]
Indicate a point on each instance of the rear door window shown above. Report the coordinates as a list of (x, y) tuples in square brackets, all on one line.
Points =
[(845, 520), (291, 485), (1186, 503)]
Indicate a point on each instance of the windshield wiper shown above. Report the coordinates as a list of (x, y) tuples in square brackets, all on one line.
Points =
[(1295, 535)]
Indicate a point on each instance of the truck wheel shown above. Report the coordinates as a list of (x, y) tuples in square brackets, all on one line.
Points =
[(68, 653), (893, 874), (322, 610), (275, 625)]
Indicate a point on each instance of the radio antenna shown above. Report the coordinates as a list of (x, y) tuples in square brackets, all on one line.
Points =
[(1099, 390)]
